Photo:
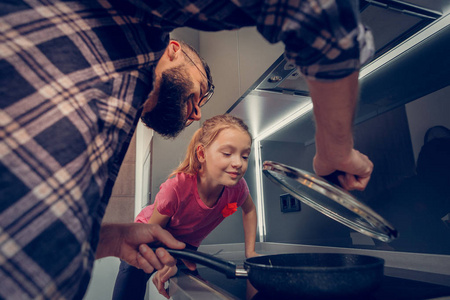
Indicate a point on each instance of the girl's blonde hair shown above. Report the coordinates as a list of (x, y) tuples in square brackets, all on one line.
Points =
[(205, 135)]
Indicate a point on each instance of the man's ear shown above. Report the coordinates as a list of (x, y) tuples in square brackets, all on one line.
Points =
[(171, 55), (200, 153), (173, 50)]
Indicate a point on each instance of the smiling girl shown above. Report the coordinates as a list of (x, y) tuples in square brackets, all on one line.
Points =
[(201, 192)]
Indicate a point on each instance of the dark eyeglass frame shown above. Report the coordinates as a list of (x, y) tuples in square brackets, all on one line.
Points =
[(206, 97)]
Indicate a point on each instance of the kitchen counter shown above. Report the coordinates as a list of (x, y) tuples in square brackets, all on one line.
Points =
[(407, 275)]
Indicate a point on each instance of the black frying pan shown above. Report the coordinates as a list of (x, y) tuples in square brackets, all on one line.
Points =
[(310, 275)]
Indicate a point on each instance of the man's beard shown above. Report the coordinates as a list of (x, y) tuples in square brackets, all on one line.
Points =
[(168, 116)]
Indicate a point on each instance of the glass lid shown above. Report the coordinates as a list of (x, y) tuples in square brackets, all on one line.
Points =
[(329, 199)]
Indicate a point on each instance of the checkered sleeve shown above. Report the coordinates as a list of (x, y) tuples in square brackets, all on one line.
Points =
[(324, 37), (73, 76)]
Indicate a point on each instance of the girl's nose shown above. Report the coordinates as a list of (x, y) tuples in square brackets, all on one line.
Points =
[(237, 162)]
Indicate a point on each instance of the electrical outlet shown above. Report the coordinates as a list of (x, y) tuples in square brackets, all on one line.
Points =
[(289, 203)]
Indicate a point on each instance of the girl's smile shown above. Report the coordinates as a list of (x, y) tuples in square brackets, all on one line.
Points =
[(233, 175)]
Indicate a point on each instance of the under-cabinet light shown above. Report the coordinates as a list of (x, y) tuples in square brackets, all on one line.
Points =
[(282, 122)]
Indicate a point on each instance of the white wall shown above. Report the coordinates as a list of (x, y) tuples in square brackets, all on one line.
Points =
[(143, 138), (426, 112)]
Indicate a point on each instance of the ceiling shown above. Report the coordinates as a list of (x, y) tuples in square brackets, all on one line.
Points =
[(282, 90)]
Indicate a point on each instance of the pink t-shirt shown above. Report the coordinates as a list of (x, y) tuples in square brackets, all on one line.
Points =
[(190, 219)]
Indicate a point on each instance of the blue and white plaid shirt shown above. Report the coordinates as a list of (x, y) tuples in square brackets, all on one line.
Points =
[(73, 78)]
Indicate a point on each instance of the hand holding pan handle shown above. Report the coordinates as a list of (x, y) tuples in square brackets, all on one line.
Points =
[(223, 266)]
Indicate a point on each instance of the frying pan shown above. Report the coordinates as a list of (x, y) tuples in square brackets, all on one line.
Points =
[(308, 275)]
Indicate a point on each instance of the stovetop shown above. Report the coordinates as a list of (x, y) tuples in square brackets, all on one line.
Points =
[(391, 287), (407, 275)]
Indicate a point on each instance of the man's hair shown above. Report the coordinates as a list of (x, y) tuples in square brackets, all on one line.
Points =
[(204, 63)]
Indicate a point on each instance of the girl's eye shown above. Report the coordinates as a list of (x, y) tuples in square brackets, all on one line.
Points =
[(226, 154), (245, 157)]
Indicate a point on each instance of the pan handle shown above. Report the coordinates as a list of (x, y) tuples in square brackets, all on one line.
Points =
[(223, 266)]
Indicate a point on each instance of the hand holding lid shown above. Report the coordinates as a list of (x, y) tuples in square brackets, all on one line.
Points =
[(330, 199)]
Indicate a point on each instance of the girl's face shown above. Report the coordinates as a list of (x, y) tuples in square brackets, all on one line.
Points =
[(226, 158)]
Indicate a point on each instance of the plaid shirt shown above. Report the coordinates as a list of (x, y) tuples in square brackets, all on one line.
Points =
[(73, 78)]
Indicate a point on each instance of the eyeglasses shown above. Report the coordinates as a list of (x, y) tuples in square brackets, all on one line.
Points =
[(205, 98)]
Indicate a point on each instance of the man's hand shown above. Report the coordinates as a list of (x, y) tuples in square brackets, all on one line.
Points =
[(334, 108), (129, 243), (357, 169), (161, 277)]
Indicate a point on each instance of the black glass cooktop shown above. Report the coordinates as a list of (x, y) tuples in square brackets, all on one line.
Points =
[(391, 288)]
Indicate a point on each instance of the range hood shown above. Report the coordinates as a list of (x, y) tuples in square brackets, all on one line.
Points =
[(411, 61)]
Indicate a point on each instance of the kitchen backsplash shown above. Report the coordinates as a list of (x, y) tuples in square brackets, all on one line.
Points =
[(414, 200)]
